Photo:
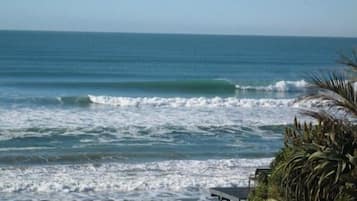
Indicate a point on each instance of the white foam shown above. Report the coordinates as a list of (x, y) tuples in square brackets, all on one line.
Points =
[(155, 115), (176, 178), (24, 148), (280, 86), (190, 102), (202, 102)]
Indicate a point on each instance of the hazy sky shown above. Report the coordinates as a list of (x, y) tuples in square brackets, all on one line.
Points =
[(262, 17)]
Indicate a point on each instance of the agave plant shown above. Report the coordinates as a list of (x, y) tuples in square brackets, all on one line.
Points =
[(323, 160)]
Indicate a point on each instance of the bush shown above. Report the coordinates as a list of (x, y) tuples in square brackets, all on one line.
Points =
[(318, 162)]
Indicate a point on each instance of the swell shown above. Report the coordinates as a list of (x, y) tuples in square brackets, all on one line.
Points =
[(45, 101), (51, 158), (202, 86), (41, 158)]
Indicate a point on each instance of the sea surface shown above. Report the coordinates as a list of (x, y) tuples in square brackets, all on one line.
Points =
[(119, 116)]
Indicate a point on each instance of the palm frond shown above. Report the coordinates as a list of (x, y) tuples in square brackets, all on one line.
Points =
[(349, 61), (337, 91), (321, 116), (322, 158)]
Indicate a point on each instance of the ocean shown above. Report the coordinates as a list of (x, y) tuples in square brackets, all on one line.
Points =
[(121, 116)]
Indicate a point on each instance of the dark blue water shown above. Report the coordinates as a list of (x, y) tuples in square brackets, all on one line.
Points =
[(137, 115)]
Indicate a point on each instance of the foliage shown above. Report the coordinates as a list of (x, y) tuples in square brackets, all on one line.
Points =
[(269, 189), (318, 162), (323, 162), (322, 166), (265, 191)]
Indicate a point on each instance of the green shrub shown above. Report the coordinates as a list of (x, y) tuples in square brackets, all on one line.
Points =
[(318, 162)]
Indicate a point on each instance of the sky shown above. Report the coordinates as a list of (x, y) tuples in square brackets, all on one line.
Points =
[(237, 17)]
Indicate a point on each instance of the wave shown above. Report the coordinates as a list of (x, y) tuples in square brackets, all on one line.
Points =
[(153, 122), (202, 86), (51, 158), (190, 102), (43, 101), (74, 100), (168, 180), (280, 86), (188, 86), (6, 149), (204, 102), (153, 118), (122, 101)]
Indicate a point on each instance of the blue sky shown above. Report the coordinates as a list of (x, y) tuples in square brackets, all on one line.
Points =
[(258, 17)]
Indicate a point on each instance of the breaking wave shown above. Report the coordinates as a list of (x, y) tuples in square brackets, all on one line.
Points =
[(203, 102), (189, 102), (176, 102), (280, 86)]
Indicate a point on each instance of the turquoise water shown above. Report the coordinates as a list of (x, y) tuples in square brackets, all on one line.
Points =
[(100, 116)]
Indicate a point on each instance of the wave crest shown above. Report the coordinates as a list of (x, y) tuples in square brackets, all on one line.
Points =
[(189, 102), (280, 86)]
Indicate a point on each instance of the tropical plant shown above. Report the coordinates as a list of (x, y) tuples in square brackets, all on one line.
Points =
[(322, 162), (318, 161), (322, 166)]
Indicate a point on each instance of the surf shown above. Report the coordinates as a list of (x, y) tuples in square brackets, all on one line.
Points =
[(280, 86)]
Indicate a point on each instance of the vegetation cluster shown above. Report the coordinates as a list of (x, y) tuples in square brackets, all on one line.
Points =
[(318, 161)]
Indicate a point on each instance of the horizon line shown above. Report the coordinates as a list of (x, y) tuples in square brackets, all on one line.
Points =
[(178, 33)]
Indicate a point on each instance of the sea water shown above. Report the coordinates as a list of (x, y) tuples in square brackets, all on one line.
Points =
[(119, 116)]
